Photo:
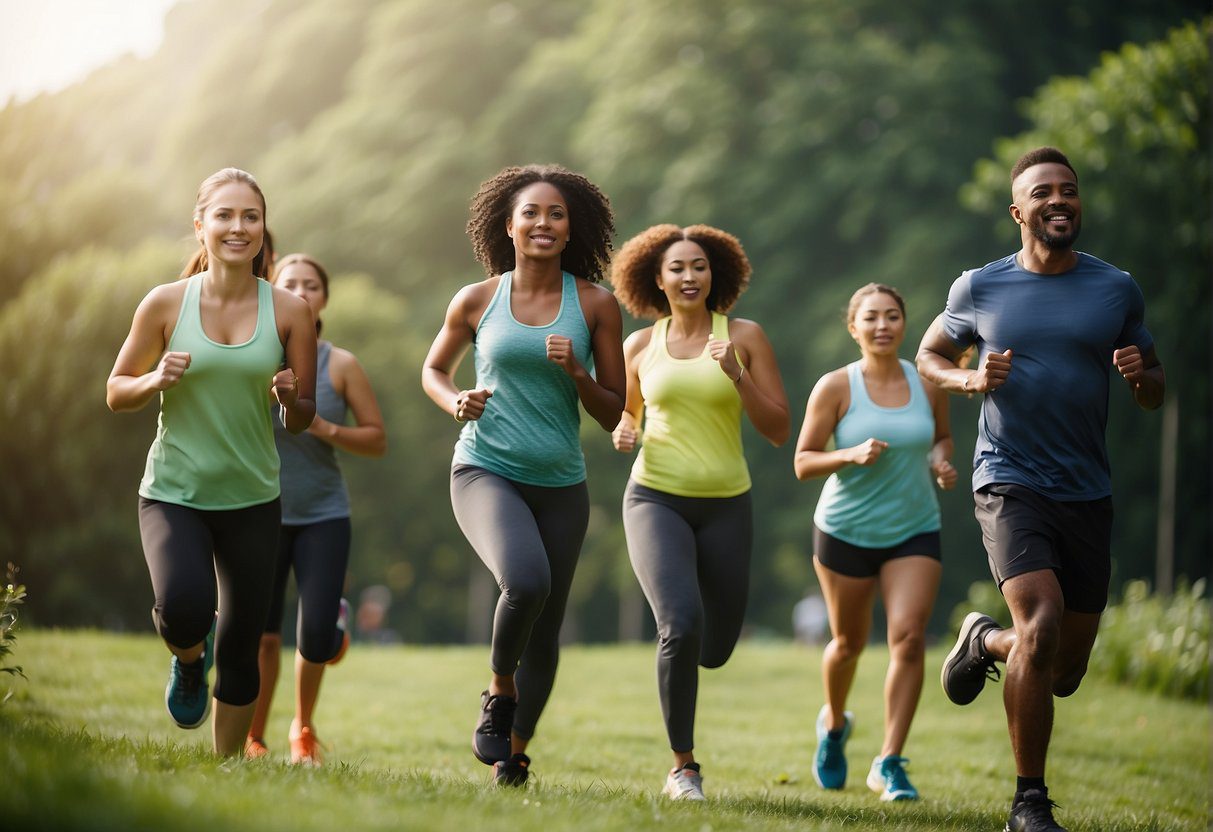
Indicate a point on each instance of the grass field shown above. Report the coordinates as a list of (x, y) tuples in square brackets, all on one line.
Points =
[(86, 744)]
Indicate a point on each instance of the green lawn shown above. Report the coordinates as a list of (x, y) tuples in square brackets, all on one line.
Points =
[(86, 744)]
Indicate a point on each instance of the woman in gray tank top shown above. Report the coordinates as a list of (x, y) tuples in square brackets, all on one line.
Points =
[(543, 235), (315, 538)]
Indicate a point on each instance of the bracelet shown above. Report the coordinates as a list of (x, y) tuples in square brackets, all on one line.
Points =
[(739, 375), (455, 415), (964, 385)]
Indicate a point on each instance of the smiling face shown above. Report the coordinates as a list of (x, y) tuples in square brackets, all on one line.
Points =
[(686, 275), (1047, 204), (539, 222), (232, 225), (878, 326), (300, 278)]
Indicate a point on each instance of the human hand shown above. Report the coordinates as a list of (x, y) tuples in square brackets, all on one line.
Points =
[(722, 353), (992, 375), (560, 351), (470, 404), (1129, 364), (285, 387), (866, 453), (171, 368), (624, 435), (945, 475)]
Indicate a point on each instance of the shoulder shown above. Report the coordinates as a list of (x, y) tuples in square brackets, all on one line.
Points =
[(289, 302), (593, 295), (474, 297), (637, 342), (164, 300), (743, 329), (833, 385)]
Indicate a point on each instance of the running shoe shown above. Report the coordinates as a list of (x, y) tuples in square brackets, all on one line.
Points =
[(187, 694), (255, 748), (512, 772), (491, 739), (684, 783), (1033, 812), (306, 749), (830, 764), (967, 667), (888, 778), (343, 627)]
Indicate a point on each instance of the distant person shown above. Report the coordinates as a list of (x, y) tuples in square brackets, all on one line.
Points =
[(315, 536), (211, 346), (876, 527), (810, 619), (687, 511), (1048, 322), (536, 325)]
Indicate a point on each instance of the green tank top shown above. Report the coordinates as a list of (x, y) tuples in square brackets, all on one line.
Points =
[(214, 446), (691, 444)]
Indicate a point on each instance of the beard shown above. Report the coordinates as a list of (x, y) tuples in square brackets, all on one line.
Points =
[(1054, 240)]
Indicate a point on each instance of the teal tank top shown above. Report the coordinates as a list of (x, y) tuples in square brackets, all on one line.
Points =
[(529, 431), (214, 446), (313, 489), (892, 500)]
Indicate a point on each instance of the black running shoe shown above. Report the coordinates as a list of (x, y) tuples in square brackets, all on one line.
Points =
[(1033, 813), (968, 666), (491, 739), (512, 772)]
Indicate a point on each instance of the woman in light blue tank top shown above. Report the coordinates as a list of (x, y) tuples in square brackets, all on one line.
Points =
[(314, 541), (876, 526), (213, 348), (536, 326)]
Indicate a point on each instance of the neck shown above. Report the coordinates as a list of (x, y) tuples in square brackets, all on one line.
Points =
[(1038, 258), (530, 272), (690, 322), (884, 365), (228, 280)]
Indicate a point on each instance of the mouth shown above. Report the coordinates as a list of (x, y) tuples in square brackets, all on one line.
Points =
[(689, 291), (543, 239), (1058, 218)]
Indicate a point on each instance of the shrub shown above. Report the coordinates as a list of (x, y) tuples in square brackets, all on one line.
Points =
[(11, 596)]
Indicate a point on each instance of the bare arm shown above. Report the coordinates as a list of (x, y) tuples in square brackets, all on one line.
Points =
[(937, 363), (759, 384), (448, 349), (143, 369), (824, 410), (627, 432), (295, 386), (940, 456), (366, 436), (1144, 373), (602, 394)]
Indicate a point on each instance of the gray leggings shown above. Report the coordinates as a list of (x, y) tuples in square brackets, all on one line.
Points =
[(692, 557), (529, 536)]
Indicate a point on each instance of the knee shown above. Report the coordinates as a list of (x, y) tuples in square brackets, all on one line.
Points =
[(271, 644), (680, 635), (1038, 639), (1067, 681), (316, 643), (184, 622), (845, 649), (907, 645), (527, 592)]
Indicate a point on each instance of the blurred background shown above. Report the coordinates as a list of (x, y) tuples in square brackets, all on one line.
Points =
[(843, 141)]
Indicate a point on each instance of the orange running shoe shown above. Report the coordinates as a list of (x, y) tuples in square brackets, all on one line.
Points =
[(255, 747), (306, 749)]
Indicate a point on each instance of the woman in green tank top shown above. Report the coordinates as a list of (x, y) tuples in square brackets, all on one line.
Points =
[(211, 347), (686, 511)]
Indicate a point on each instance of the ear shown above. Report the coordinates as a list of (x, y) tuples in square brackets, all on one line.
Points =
[(509, 227), (198, 231), (854, 332), (1015, 213)]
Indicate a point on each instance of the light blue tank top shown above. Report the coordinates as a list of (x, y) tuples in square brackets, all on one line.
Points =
[(313, 489), (529, 430), (892, 500)]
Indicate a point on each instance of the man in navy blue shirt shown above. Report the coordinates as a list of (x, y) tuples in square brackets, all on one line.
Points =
[(1048, 323)]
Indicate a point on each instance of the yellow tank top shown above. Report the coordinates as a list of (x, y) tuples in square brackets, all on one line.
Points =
[(691, 444)]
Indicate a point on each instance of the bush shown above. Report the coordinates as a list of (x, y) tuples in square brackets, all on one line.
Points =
[(1157, 643), (11, 596), (983, 597)]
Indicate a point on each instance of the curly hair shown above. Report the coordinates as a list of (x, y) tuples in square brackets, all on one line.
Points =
[(591, 222), (634, 272)]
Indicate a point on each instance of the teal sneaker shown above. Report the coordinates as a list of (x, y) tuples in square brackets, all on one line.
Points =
[(188, 695), (888, 778), (830, 764)]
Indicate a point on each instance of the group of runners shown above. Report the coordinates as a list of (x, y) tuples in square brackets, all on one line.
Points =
[(242, 485)]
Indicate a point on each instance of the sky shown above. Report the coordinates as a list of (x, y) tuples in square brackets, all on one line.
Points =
[(46, 45)]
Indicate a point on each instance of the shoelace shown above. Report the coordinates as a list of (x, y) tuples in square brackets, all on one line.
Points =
[(894, 771), (501, 712), (833, 753), (190, 676), (1039, 810)]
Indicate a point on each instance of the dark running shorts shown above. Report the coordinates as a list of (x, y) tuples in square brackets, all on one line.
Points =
[(1024, 531), (861, 562)]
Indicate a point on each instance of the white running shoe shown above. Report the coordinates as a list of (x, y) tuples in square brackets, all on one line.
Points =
[(684, 783)]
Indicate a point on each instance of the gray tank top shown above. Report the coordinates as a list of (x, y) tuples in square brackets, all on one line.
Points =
[(312, 486)]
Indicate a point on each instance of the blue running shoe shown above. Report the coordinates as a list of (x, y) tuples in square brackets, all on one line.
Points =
[(830, 764), (188, 695), (888, 778)]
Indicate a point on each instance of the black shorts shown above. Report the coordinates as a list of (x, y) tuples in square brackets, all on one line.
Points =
[(862, 562), (1024, 531)]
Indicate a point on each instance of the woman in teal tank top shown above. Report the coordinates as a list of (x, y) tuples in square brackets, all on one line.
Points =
[(686, 511), (543, 235), (876, 526), (212, 347)]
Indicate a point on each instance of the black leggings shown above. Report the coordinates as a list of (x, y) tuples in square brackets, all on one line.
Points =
[(187, 549), (692, 557), (529, 536), (320, 553)]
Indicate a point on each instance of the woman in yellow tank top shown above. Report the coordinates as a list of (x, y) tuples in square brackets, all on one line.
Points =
[(686, 511)]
